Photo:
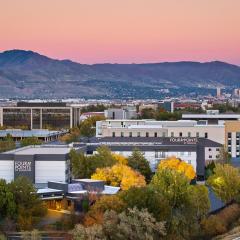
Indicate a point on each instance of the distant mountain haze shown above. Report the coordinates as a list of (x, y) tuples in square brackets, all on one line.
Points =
[(26, 74)]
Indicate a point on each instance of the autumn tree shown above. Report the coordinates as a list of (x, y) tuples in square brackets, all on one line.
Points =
[(120, 175), (131, 224), (103, 204), (138, 162), (225, 182), (178, 165)]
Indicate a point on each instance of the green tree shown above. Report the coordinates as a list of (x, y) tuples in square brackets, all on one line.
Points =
[(7, 203), (185, 210), (84, 166), (30, 208), (147, 198), (7, 144), (88, 127), (30, 141), (138, 162), (225, 182)]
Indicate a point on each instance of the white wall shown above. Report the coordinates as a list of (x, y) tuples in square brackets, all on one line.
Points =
[(7, 170), (50, 171)]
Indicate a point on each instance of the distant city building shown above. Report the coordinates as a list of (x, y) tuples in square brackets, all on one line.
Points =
[(127, 112), (236, 93), (40, 116), (219, 92)]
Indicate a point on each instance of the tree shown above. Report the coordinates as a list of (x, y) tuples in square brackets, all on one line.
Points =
[(88, 127), (178, 165), (131, 224), (84, 166), (29, 206), (120, 175), (30, 141), (138, 162), (146, 198), (225, 182), (185, 210), (120, 158), (224, 156), (7, 203), (103, 204), (7, 144)]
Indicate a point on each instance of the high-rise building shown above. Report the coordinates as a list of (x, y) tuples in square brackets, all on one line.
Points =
[(218, 92)]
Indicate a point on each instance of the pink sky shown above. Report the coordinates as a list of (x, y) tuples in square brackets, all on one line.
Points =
[(123, 31)]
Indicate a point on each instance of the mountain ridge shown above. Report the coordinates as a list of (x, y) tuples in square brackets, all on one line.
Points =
[(30, 74)]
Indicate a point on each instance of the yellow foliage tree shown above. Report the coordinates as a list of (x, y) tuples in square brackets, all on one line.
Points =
[(120, 158), (178, 165), (120, 175)]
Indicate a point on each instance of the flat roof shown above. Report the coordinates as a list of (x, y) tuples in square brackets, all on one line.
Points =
[(31, 150), (29, 133), (211, 116), (48, 190)]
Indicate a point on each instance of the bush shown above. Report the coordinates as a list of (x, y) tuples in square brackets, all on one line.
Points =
[(220, 223)]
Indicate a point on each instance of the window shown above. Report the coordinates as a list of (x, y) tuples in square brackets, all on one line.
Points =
[(180, 134), (122, 134), (160, 154), (206, 135), (113, 134), (189, 134), (229, 135), (229, 142), (209, 149), (139, 134), (217, 149), (147, 134), (155, 134), (210, 156), (172, 134), (130, 134), (197, 134)]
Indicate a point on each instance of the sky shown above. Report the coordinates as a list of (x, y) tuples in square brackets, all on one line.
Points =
[(123, 31)]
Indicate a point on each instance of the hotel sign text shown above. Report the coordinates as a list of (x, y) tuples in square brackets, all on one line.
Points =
[(23, 166)]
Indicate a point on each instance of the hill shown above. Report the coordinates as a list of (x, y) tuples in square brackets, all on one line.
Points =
[(29, 74)]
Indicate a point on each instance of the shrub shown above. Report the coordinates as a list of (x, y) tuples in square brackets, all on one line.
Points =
[(220, 223)]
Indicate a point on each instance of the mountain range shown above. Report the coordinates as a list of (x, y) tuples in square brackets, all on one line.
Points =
[(27, 74)]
